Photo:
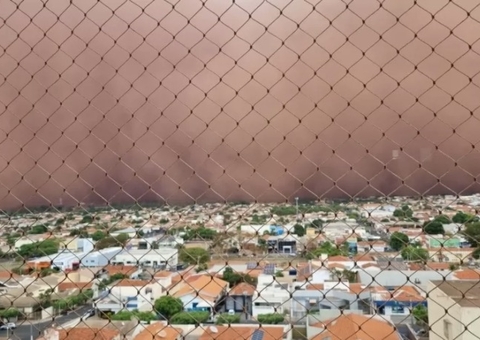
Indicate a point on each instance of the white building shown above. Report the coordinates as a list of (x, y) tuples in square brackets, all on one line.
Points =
[(131, 295), (454, 310), (148, 257), (66, 259), (99, 258), (272, 297)]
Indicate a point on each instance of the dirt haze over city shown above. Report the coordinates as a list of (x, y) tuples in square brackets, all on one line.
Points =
[(183, 101)]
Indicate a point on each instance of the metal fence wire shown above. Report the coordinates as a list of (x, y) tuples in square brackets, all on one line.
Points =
[(239, 169)]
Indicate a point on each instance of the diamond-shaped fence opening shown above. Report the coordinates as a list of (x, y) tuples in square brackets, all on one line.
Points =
[(239, 169)]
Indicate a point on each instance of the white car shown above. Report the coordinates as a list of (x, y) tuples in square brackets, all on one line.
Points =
[(9, 325)]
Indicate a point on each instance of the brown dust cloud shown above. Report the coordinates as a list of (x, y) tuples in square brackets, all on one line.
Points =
[(185, 101)]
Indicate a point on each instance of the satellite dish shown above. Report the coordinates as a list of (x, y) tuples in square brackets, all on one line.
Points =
[(162, 334), (214, 329)]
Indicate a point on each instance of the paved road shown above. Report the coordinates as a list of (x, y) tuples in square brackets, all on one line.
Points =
[(25, 330)]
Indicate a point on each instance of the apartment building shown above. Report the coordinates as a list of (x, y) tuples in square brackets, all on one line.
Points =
[(454, 310)]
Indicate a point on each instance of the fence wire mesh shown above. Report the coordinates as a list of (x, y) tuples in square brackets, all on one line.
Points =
[(239, 169)]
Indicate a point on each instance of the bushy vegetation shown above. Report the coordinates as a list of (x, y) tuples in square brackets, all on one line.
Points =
[(72, 301), (38, 229), (190, 318), (10, 313), (327, 248), (200, 233), (271, 319), (405, 212), (112, 241), (398, 241), (167, 306), (194, 256), (38, 249), (226, 318), (126, 315), (234, 278)]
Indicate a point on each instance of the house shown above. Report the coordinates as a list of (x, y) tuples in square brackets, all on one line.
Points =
[(329, 296), (81, 333), (452, 255), (377, 246), (240, 298), (200, 292), (454, 310), (247, 332), (162, 257), (396, 300), (467, 274), (270, 296), (159, 331), (352, 326), (129, 294)]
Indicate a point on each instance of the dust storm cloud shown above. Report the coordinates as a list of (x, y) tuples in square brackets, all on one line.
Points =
[(165, 100)]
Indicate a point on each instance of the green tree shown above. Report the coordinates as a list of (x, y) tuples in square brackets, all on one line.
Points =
[(279, 273), (329, 249), (10, 313), (411, 253), (271, 319), (404, 212), (123, 315), (420, 313), (433, 228), (38, 229), (442, 219), (38, 249), (82, 233), (189, 318), (234, 278), (298, 230), (194, 255), (98, 235), (317, 224), (87, 219), (398, 240), (112, 241), (226, 318), (462, 218), (168, 306), (472, 233)]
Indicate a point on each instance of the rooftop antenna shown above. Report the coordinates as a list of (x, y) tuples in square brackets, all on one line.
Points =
[(213, 329), (162, 334)]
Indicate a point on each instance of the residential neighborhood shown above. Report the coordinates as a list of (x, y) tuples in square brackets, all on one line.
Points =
[(397, 269)]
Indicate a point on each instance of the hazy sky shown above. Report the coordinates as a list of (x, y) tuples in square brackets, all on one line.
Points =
[(258, 100)]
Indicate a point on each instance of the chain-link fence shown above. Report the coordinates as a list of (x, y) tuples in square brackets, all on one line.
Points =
[(239, 169)]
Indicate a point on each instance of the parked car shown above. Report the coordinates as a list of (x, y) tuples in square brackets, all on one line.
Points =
[(88, 314), (9, 325)]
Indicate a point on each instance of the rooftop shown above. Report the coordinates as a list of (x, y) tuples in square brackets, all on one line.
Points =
[(352, 327), (241, 332), (159, 331), (465, 293)]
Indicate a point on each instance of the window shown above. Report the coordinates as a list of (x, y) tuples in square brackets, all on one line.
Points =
[(447, 329), (398, 310)]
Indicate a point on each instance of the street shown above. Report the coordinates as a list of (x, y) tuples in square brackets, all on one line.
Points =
[(27, 331)]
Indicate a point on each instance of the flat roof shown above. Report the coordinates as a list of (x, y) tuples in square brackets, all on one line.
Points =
[(465, 293)]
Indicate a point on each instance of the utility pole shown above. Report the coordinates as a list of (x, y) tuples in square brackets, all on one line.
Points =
[(296, 205)]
